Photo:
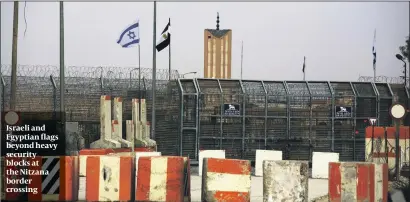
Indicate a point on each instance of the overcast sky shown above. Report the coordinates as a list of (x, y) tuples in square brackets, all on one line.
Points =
[(336, 38)]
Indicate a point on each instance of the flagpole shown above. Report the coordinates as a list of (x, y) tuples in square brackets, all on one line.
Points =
[(241, 60), (169, 53), (154, 71), (304, 68), (374, 59), (62, 65)]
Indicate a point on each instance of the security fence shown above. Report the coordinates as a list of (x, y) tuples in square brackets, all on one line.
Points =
[(296, 117), (239, 116), (38, 90)]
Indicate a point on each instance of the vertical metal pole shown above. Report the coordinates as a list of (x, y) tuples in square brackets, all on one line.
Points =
[(139, 80), (397, 150), (242, 60), (169, 53), (14, 56), (62, 77), (371, 147), (154, 72)]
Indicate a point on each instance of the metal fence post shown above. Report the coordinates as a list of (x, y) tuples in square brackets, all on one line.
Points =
[(310, 121), (197, 118), (332, 145), (181, 115), (266, 115), (54, 95), (221, 114), (3, 93), (102, 80), (244, 96), (354, 120)]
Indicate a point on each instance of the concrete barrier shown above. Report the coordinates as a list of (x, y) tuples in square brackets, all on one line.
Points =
[(358, 181), (285, 181), (226, 180), (108, 178), (55, 178), (105, 140), (209, 154), (141, 126), (262, 155), (161, 179), (117, 124), (320, 163), (84, 153)]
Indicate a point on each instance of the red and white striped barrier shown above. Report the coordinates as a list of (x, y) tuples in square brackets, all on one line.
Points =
[(55, 178), (262, 155), (161, 179), (320, 163), (209, 154), (84, 153), (285, 180), (108, 178), (226, 180), (358, 181)]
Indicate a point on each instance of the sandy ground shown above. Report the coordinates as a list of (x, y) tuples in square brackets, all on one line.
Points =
[(317, 188)]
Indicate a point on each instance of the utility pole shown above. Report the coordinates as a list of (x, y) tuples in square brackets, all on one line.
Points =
[(14, 56)]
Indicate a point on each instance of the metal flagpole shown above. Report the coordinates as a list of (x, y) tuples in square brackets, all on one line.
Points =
[(169, 51), (62, 83), (241, 60), (304, 68), (154, 72), (374, 56)]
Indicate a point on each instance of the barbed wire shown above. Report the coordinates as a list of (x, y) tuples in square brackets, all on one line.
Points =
[(383, 79), (38, 87)]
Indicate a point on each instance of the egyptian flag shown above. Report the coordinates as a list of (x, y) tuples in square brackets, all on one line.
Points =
[(165, 38)]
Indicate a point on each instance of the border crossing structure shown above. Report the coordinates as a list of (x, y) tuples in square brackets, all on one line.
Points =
[(238, 116)]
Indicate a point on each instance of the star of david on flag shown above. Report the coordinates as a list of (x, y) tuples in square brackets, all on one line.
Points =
[(130, 36)]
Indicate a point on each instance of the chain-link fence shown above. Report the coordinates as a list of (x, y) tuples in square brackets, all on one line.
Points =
[(38, 90), (295, 117)]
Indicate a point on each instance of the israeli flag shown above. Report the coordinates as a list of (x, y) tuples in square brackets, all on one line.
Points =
[(130, 36)]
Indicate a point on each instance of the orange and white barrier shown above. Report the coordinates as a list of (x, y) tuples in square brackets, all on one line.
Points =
[(209, 154), (383, 152), (262, 155), (105, 140), (161, 179), (320, 163), (285, 180), (54, 178), (226, 180), (84, 153), (358, 181), (108, 178)]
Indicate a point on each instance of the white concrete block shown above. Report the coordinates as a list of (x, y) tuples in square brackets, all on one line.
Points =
[(320, 164), (262, 155), (209, 154)]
